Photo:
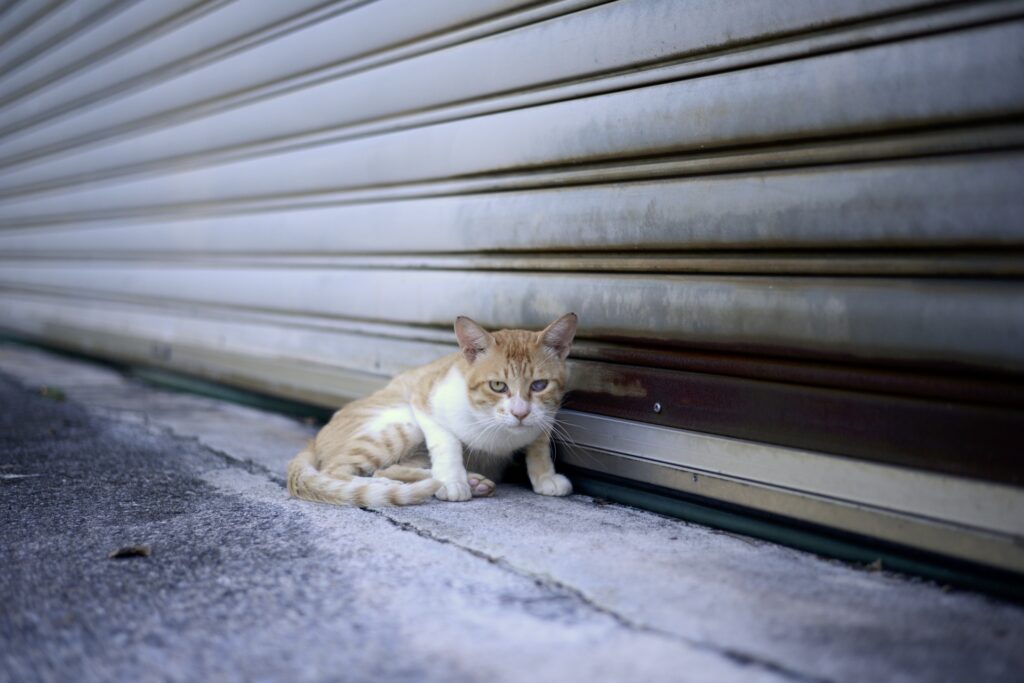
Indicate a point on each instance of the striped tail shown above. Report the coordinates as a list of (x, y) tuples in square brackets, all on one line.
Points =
[(307, 482)]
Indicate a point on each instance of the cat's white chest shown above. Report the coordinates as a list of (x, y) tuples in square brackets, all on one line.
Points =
[(478, 430)]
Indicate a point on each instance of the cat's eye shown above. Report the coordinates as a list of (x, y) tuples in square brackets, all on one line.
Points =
[(539, 385), (497, 387)]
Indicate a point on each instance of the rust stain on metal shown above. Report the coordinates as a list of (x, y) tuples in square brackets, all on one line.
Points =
[(591, 378)]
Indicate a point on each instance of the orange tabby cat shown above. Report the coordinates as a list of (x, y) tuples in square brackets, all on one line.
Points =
[(497, 395)]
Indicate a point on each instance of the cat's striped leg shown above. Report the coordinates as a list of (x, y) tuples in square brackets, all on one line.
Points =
[(343, 481), (541, 469), (380, 446), (404, 473)]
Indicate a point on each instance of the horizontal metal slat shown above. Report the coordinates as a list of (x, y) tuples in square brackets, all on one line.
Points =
[(139, 21), (22, 16), (952, 323), (906, 146), (269, 338), (920, 263), (222, 28), (970, 389), (53, 29), (959, 201), (552, 51), (354, 36), (155, 337), (865, 90)]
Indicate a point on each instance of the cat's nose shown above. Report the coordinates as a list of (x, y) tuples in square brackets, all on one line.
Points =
[(519, 408)]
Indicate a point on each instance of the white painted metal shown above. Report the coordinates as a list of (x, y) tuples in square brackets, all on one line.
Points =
[(863, 205), (352, 40), (55, 27), (561, 51), (864, 91), (865, 318), (138, 21), (217, 32)]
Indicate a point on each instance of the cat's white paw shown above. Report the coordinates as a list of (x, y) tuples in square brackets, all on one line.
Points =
[(454, 491), (553, 485)]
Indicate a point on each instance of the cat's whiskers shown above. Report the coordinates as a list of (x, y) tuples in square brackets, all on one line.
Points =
[(564, 439), (480, 437), (482, 423)]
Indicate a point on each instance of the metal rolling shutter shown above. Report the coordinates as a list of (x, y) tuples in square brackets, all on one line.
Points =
[(793, 231)]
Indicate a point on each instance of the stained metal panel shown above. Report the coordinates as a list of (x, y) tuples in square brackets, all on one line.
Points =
[(889, 86), (925, 321), (867, 205), (561, 51), (296, 52)]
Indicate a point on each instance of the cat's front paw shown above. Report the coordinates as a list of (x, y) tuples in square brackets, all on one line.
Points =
[(454, 491), (552, 485)]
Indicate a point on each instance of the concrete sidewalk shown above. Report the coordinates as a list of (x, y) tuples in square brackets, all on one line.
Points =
[(243, 583)]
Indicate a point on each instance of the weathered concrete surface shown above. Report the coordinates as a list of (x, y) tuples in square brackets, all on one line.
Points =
[(246, 584)]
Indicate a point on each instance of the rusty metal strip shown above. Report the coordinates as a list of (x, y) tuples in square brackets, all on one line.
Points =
[(934, 435)]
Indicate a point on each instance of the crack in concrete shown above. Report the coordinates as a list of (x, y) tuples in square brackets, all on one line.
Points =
[(249, 466), (731, 654), (545, 581)]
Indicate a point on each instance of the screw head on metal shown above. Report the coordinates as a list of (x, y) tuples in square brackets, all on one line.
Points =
[(657, 407)]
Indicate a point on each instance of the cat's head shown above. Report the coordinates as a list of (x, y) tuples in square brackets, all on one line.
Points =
[(517, 376)]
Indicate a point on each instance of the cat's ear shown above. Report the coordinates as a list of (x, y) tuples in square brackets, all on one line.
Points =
[(558, 335), (473, 339)]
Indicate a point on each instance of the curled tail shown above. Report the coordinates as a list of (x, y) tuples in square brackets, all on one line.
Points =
[(307, 482)]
